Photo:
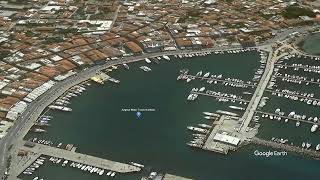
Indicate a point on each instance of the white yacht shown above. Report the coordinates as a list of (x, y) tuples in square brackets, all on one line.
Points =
[(148, 60), (202, 89), (137, 164), (206, 75), (314, 128), (166, 57)]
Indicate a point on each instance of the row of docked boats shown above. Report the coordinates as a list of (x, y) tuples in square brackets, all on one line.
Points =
[(82, 167), (292, 115), (200, 135), (211, 116), (34, 166), (304, 67), (213, 78), (307, 145), (41, 141)]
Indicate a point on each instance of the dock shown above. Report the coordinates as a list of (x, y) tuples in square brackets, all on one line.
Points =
[(219, 80), (286, 147), (298, 80), (224, 97), (173, 177), (82, 158), (285, 117), (291, 94)]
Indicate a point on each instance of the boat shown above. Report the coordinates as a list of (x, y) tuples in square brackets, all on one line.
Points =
[(227, 113), (188, 79), (314, 128), (206, 75), (126, 66), (145, 68), (209, 117), (113, 174), (211, 114), (101, 172), (197, 129), (194, 145), (166, 57), (247, 93), (297, 123), (36, 178), (308, 145), (318, 147), (205, 126), (236, 108), (62, 108), (38, 130), (202, 89), (303, 144), (109, 173), (148, 60), (137, 164), (199, 73)]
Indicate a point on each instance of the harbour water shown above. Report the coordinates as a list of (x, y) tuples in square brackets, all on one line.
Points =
[(311, 44), (98, 126)]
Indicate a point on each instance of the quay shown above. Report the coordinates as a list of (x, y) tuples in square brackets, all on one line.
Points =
[(229, 98), (222, 138), (273, 57), (82, 158), (219, 80), (173, 177), (285, 117), (286, 147), (24, 162)]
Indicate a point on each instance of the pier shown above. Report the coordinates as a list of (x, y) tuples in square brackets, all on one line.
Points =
[(286, 147), (82, 158), (273, 57), (297, 80), (291, 94), (220, 80), (224, 97), (285, 117)]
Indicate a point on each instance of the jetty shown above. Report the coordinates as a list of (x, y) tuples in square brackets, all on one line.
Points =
[(81, 158), (220, 80), (286, 147), (224, 97), (289, 118), (297, 80)]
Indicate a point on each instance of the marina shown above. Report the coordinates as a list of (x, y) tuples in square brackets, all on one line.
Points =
[(213, 140)]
